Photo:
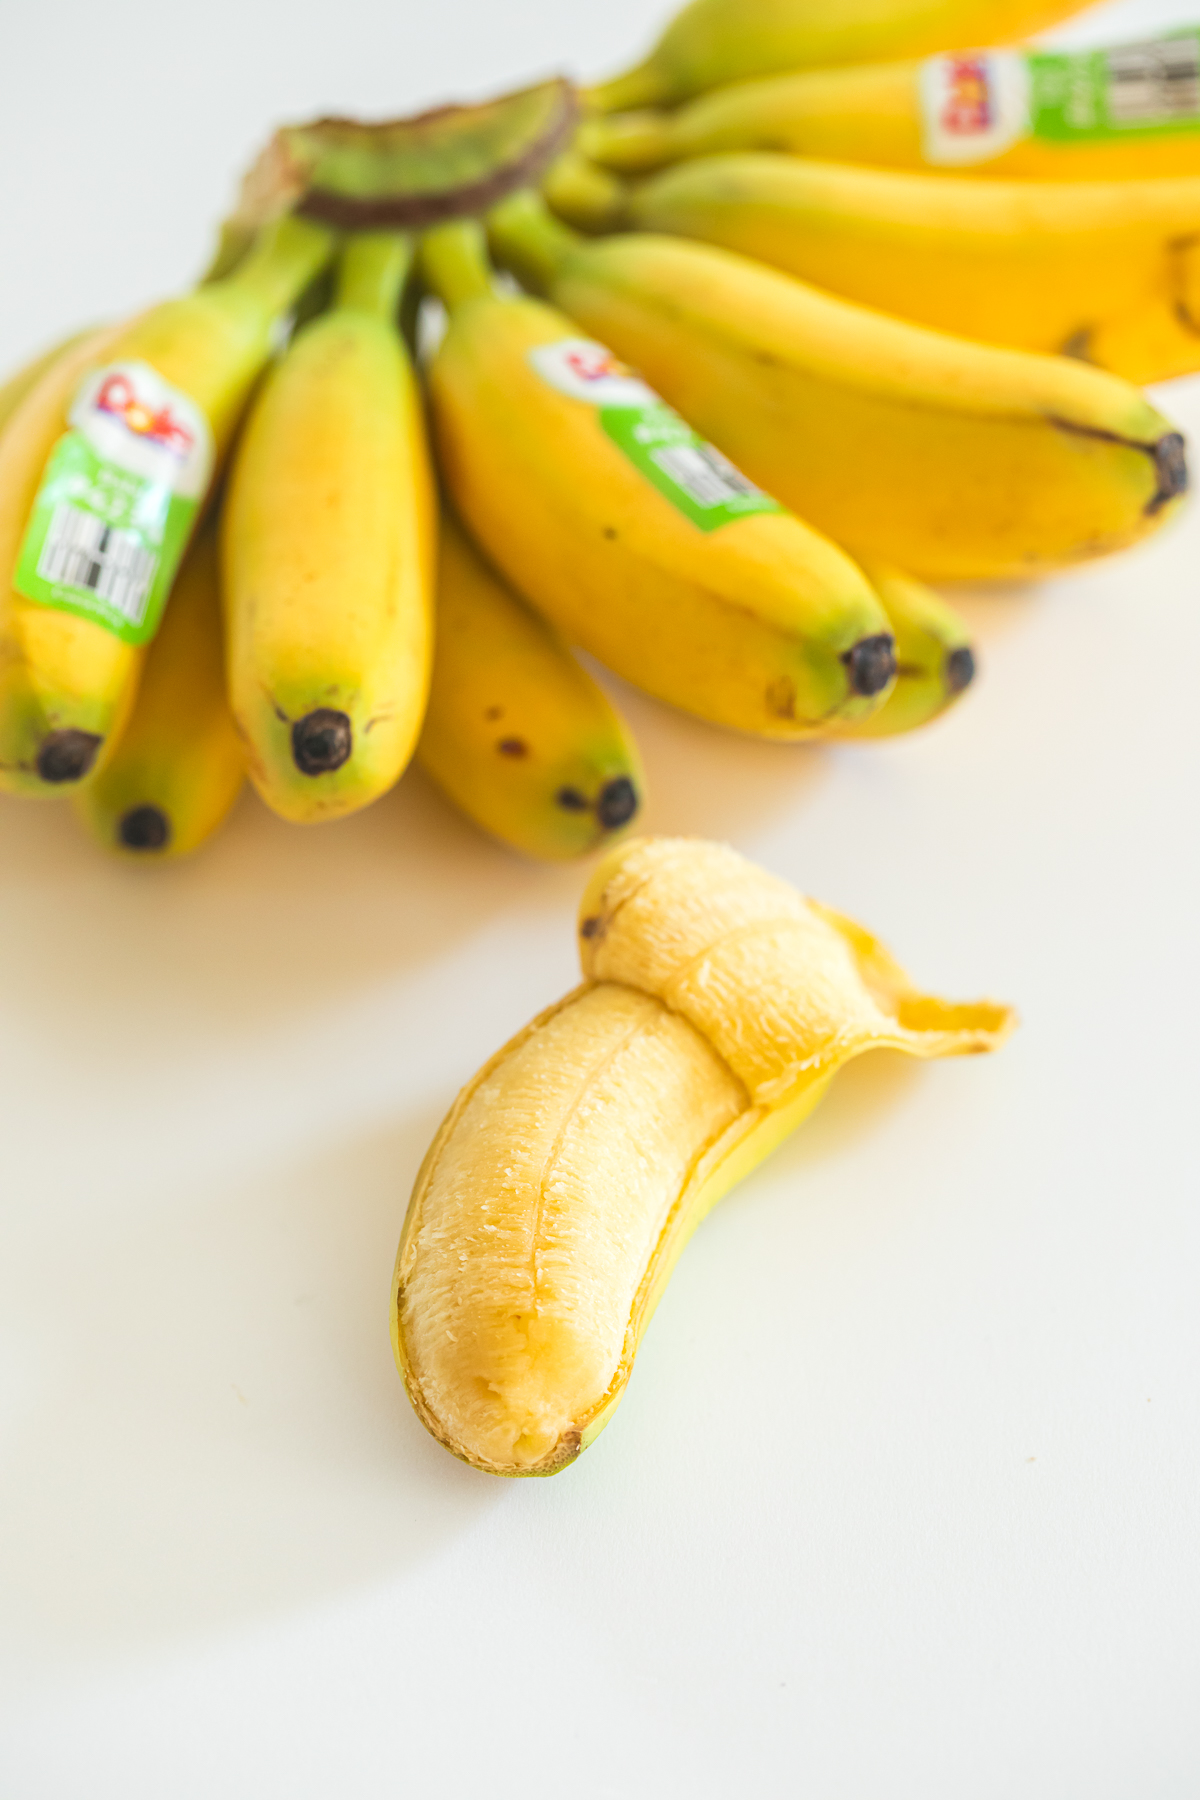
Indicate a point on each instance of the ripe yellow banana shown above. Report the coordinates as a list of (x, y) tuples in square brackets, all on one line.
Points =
[(25, 379), (714, 42), (178, 766), (971, 111), (935, 663), (947, 458), (1032, 265), (635, 538), (327, 553), (716, 1007), (517, 733), (103, 466)]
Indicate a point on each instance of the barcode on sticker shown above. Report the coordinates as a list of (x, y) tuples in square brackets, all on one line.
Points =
[(1154, 82), (705, 476), (83, 552)]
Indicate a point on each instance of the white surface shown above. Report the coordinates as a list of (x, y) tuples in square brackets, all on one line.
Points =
[(901, 1504)]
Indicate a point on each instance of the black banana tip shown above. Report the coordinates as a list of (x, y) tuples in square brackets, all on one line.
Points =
[(144, 828), (1170, 469), (67, 755), (617, 803), (871, 664), (959, 669), (321, 741)]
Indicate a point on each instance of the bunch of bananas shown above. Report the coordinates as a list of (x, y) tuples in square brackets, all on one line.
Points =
[(724, 414)]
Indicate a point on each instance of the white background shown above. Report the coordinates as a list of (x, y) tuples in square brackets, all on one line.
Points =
[(902, 1503)]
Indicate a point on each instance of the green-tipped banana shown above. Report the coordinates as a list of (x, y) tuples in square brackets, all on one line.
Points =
[(714, 42), (104, 466), (637, 539)]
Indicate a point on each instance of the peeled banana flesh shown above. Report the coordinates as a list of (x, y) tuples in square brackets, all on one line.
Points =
[(717, 1005)]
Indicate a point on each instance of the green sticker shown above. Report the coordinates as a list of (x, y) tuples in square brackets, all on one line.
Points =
[(117, 502), (693, 475), (1149, 87)]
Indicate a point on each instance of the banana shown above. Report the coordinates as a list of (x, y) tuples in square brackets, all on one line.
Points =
[(635, 539), (712, 43), (930, 114), (178, 766), (1031, 265), (327, 552), (517, 733), (935, 663), (585, 194), (25, 379), (950, 459), (716, 1007), (103, 467)]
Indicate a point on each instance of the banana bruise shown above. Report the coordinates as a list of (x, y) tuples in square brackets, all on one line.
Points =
[(717, 1005), (67, 682), (712, 43), (327, 553), (871, 113), (752, 621), (516, 733), (1030, 265), (935, 663), (178, 766), (950, 459)]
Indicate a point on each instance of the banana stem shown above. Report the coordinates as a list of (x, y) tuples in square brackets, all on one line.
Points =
[(373, 271), (638, 87), (455, 262), (285, 257), (527, 238)]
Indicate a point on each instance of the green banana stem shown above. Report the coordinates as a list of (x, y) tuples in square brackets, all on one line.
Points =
[(637, 87), (526, 237), (373, 272), (455, 262), (581, 192), (287, 254)]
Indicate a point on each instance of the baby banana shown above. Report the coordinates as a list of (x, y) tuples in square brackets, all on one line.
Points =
[(714, 42), (935, 663), (1033, 265), (103, 467), (327, 551), (516, 732), (716, 1007), (178, 765), (25, 379), (951, 459), (942, 112), (633, 536)]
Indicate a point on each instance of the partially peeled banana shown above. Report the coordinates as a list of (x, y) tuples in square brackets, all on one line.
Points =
[(716, 1007)]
